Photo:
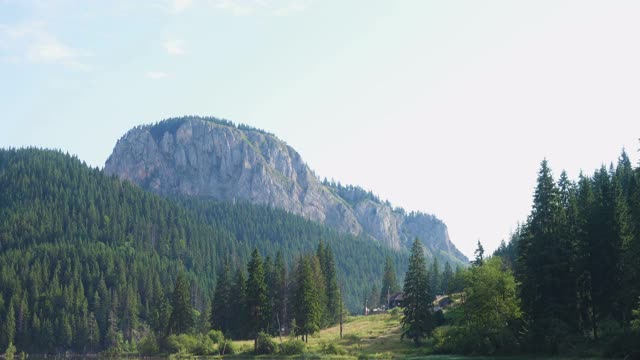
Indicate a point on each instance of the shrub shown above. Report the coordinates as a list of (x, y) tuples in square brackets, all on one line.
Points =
[(205, 346), (183, 344), (216, 336), (334, 349), (226, 347), (395, 312), (292, 347), (445, 340), (148, 345), (11, 352), (266, 345)]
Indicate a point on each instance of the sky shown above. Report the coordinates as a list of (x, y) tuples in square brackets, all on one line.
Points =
[(446, 107)]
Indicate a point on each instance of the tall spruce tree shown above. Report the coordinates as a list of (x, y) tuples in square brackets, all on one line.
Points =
[(608, 230), (566, 293), (307, 305), (538, 263), (181, 320), (389, 282), (332, 292), (221, 309), (418, 321), (479, 253), (435, 278), (279, 292), (585, 201), (256, 300), (238, 307)]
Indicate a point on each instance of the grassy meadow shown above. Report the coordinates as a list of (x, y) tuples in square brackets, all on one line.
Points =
[(367, 337)]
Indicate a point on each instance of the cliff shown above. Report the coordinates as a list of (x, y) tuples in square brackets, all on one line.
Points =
[(212, 158)]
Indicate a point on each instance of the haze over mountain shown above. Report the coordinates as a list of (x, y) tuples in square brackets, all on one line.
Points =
[(212, 158)]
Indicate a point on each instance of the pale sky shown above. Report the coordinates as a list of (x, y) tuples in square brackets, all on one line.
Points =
[(446, 107)]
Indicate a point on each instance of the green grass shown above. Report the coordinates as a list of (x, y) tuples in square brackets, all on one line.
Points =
[(371, 337)]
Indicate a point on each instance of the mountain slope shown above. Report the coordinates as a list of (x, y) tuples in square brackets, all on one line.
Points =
[(77, 244), (211, 158)]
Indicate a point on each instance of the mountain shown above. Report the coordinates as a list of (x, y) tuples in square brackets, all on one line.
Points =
[(76, 244), (212, 158)]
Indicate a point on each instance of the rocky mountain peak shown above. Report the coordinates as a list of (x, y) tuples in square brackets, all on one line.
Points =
[(213, 158)]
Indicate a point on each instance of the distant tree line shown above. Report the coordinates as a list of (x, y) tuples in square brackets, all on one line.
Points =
[(171, 125)]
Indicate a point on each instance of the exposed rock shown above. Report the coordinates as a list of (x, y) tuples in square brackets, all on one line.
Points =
[(213, 158)]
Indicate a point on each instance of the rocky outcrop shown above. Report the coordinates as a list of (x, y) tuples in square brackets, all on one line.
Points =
[(207, 157)]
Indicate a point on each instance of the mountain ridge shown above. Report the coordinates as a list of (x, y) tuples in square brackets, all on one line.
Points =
[(209, 157)]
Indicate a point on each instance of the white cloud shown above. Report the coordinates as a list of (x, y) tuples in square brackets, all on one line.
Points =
[(292, 7), (269, 7), (239, 7), (174, 47), (181, 5), (30, 42), (156, 75)]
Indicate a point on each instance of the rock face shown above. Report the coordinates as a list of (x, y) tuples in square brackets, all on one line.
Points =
[(207, 157)]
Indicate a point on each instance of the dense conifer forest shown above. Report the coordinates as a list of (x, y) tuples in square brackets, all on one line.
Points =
[(576, 260), (88, 262), (567, 283)]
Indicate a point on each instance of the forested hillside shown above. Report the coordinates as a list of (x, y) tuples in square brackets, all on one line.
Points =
[(87, 260)]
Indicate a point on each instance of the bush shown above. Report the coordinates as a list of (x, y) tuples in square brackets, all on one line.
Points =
[(292, 347), (226, 347), (266, 345), (11, 352), (205, 346), (334, 349), (395, 312), (182, 344), (462, 340), (148, 345), (216, 336)]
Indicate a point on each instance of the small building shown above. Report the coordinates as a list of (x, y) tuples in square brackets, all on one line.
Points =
[(396, 300)]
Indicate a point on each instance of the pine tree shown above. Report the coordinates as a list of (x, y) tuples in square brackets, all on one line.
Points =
[(608, 231), (307, 305), (543, 266), (417, 322), (435, 280), (373, 298), (389, 282), (9, 326), (238, 307), (479, 253), (256, 300), (585, 201), (279, 292), (327, 263), (631, 249), (93, 332), (181, 320), (221, 305)]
